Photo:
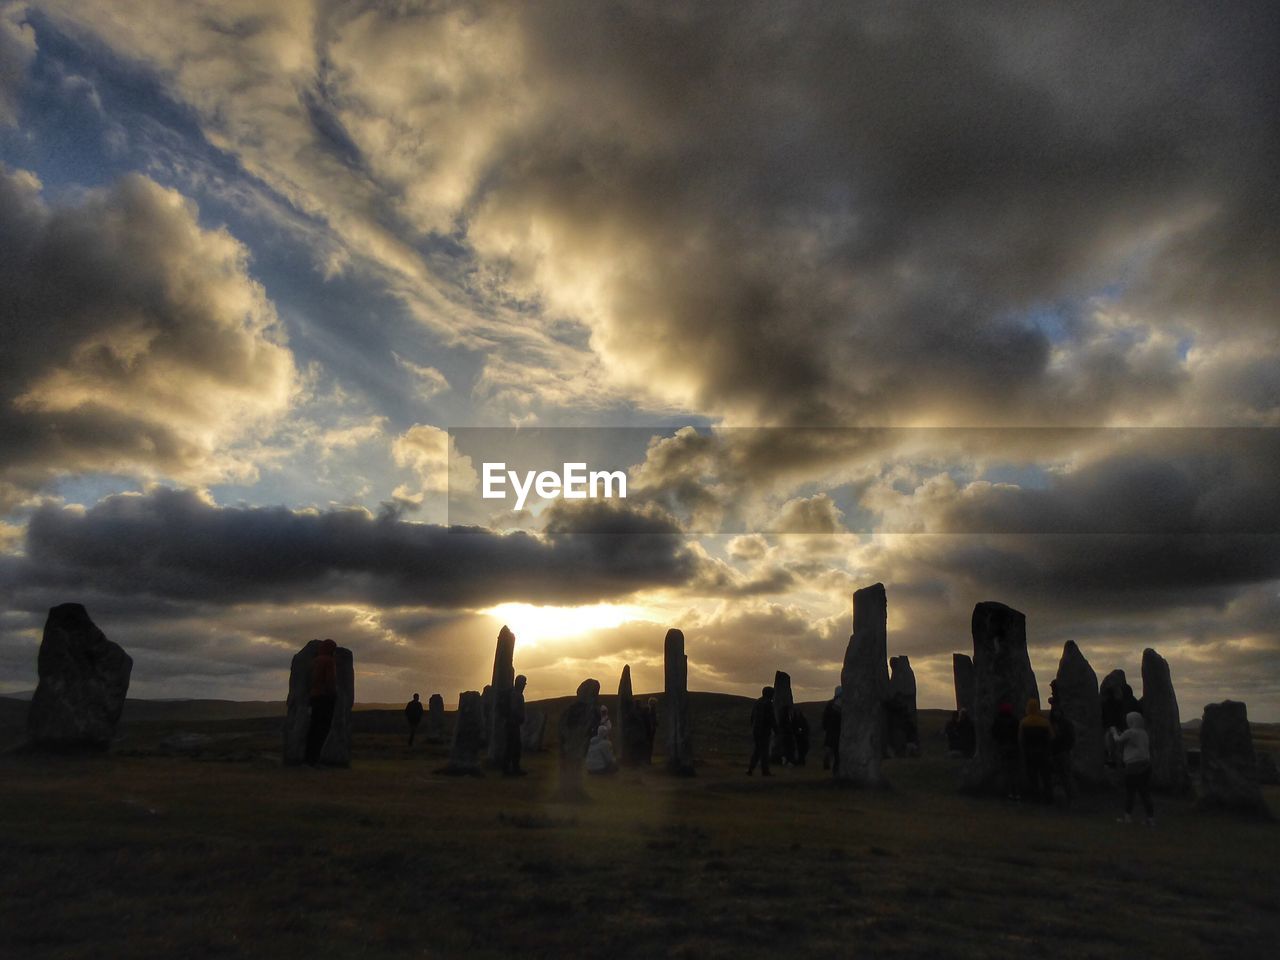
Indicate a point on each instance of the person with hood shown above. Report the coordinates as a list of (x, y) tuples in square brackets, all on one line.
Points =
[(1135, 750), (1004, 734), (514, 720), (800, 729), (605, 726), (413, 713), (324, 697), (763, 723), (1062, 743), (600, 758), (1035, 742), (831, 717)]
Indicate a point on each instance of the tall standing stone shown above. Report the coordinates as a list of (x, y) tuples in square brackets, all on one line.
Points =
[(866, 685), (1112, 685), (903, 722), (435, 718), (504, 677), (1075, 694), (576, 723), (1001, 673), (486, 714), (464, 751), (632, 732), (1228, 766), (676, 707), (962, 676), (84, 679), (1164, 726), (336, 749), (784, 735)]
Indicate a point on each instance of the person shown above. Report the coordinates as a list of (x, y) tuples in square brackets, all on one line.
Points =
[(952, 732), (800, 726), (968, 735), (1113, 713), (604, 727), (1034, 742), (1004, 734), (600, 758), (324, 697), (1131, 703), (514, 720), (1135, 748), (413, 713), (763, 723), (651, 727), (1062, 742), (785, 727), (831, 716)]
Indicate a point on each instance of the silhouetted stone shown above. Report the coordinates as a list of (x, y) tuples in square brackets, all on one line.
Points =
[(866, 685), (1267, 772), (783, 747), (336, 750), (504, 676), (468, 729), (633, 737), (1228, 767), (962, 676), (1001, 673), (1075, 690), (676, 707), (533, 732), (577, 723), (435, 719), (1164, 726), (1113, 685), (84, 679), (901, 722), (486, 714)]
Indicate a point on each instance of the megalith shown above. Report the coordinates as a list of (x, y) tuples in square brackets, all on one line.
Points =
[(504, 676), (468, 728), (84, 678), (866, 685), (783, 747), (902, 722), (336, 749), (1164, 726), (1228, 766), (1075, 695), (486, 714), (962, 676), (1001, 674), (676, 707), (435, 719), (633, 735), (577, 721)]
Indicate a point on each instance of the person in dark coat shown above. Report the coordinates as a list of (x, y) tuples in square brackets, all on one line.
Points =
[(831, 717), (1060, 746), (800, 730), (1004, 733), (413, 713), (514, 720), (763, 724), (324, 697), (1035, 738)]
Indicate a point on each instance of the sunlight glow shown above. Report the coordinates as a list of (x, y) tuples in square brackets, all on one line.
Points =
[(533, 625)]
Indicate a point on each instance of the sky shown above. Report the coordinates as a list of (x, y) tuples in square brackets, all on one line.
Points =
[(979, 301)]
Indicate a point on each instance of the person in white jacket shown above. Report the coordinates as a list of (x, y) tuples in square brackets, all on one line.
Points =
[(1135, 751), (600, 758)]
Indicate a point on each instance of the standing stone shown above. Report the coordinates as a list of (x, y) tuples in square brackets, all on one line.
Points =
[(464, 751), (1001, 673), (1228, 767), (632, 733), (1075, 692), (866, 685), (676, 707), (1164, 726), (577, 722), (504, 677), (533, 731), (435, 719), (336, 750), (962, 676), (903, 723), (784, 735), (1112, 685), (84, 678), (486, 714)]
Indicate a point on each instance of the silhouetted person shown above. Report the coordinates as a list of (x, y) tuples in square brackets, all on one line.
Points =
[(1004, 734), (1035, 741), (1135, 747), (800, 728), (968, 739), (650, 727), (605, 726), (324, 697), (763, 723), (1113, 713), (1063, 742), (513, 719), (413, 713), (952, 732), (831, 717)]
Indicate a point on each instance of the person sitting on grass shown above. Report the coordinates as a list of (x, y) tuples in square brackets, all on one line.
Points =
[(1135, 749)]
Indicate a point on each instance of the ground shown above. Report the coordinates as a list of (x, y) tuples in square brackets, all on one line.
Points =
[(228, 854)]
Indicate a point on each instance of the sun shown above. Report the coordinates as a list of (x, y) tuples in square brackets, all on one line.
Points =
[(533, 624)]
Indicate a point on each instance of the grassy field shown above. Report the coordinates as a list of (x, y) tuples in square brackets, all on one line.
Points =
[(229, 854)]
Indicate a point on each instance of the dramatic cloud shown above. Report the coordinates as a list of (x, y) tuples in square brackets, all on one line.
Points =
[(17, 50)]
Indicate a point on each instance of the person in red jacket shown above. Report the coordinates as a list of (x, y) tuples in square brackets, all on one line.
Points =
[(324, 697)]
